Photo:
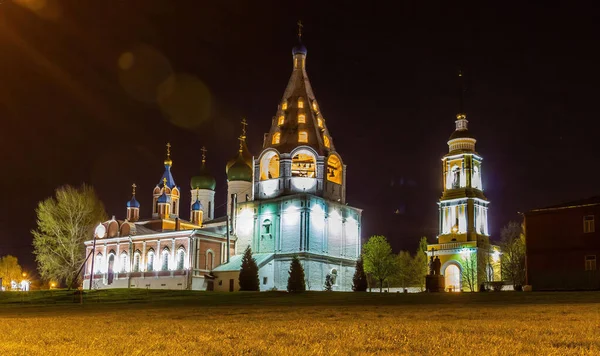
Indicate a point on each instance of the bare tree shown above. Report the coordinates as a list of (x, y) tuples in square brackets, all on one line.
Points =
[(469, 270), (512, 243)]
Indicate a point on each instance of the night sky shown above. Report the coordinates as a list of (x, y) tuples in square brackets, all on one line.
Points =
[(385, 79)]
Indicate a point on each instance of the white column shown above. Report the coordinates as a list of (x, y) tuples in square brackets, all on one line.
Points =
[(118, 260), (173, 264), (143, 258)]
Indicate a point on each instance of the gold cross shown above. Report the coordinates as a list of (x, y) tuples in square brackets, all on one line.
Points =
[(133, 186), (165, 181), (300, 29), (244, 124), (168, 149), (203, 149)]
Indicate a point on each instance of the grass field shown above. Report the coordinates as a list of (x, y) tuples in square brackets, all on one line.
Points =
[(140, 322)]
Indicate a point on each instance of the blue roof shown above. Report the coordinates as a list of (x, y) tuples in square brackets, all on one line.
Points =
[(164, 198), (235, 262), (133, 203), (197, 206), (169, 176), (299, 49)]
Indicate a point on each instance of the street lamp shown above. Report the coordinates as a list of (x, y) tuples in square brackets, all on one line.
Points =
[(100, 232)]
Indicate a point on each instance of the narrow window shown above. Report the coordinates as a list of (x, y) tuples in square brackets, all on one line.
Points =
[(300, 103), (284, 105), (320, 122), (590, 263), (276, 138), (588, 224), (136, 261), (301, 119), (302, 136), (280, 120), (180, 258), (150, 264), (264, 280), (315, 107), (124, 262), (326, 141), (165, 260)]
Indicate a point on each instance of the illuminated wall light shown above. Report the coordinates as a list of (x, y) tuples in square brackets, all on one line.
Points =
[(317, 216), (304, 183), (245, 221), (269, 187), (291, 216)]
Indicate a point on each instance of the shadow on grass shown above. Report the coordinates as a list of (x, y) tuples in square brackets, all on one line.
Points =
[(167, 298)]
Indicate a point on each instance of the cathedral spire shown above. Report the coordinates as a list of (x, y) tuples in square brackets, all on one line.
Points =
[(299, 120), (461, 95), (167, 173), (461, 138)]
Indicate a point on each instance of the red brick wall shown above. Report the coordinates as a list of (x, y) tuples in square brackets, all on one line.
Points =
[(557, 246)]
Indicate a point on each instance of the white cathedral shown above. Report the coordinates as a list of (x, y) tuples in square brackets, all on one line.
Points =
[(290, 200)]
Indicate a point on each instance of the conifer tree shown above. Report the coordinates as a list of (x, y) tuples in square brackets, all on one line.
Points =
[(296, 281), (249, 272), (359, 281)]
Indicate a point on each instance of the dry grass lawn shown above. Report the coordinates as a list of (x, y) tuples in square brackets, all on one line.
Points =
[(176, 323)]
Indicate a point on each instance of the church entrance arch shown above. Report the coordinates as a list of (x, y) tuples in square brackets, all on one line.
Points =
[(452, 278)]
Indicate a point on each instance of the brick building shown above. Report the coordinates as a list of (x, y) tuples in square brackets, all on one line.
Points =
[(563, 246)]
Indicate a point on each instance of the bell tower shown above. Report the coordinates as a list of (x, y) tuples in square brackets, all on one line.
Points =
[(463, 206), (463, 251)]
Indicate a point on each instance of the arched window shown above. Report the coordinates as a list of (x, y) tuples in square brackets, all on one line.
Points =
[(210, 260), (165, 260), (304, 164), (124, 262), (280, 120), (455, 176), (300, 103), (320, 122), (284, 105), (276, 138), (181, 258), (301, 119), (98, 263), (326, 141), (269, 166), (302, 136), (150, 261), (334, 169), (476, 179), (266, 227), (136, 260)]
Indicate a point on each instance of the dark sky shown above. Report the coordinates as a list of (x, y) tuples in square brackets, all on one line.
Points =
[(385, 79)]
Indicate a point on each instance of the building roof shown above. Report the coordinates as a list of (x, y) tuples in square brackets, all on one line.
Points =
[(571, 204), (204, 180), (133, 203), (167, 174), (239, 170), (235, 262), (299, 88), (197, 205)]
